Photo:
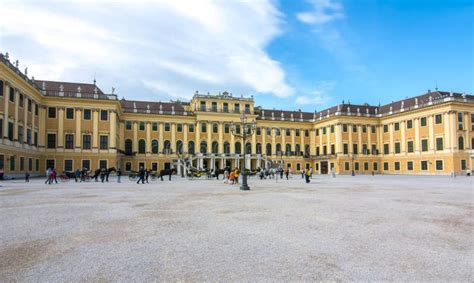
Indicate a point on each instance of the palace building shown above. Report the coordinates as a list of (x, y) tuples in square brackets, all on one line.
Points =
[(65, 125)]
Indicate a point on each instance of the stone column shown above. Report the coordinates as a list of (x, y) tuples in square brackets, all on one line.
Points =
[(339, 147), (283, 140), (273, 141), (161, 141), (78, 133), (15, 121), (60, 127), (221, 137), (350, 147), (403, 134), (122, 135), (173, 137), (254, 143), (95, 130), (113, 129), (359, 139), (302, 140), (232, 144), (369, 139), (25, 120), (320, 141), (390, 132), (148, 138), (42, 126), (431, 134), (198, 137), (417, 136), (447, 136), (135, 137), (264, 138), (33, 122), (185, 137), (453, 121), (328, 140), (209, 137), (6, 94), (293, 144)]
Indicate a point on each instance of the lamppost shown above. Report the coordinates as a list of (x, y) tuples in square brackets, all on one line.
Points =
[(247, 130)]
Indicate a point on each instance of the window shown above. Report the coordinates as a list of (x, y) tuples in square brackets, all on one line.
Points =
[(237, 129), (128, 147), (410, 165), (364, 129), (354, 128), (461, 143), (237, 108), (344, 128), (215, 128), (35, 141), (154, 126), (51, 140), (68, 165), (128, 166), (69, 113), (439, 143), (179, 127), (104, 115), (10, 130), (385, 128), (1, 94), (12, 94), (104, 142), (409, 124), (365, 149), (269, 131), (385, 166), (346, 148), (306, 133), (214, 106), (317, 132), (324, 130), (424, 145), (333, 149), (460, 127), (142, 126), (247, 108), (154, 146), (277, 131), (128, 125), (259, 131), (36, 110), (20, 134), (167, 127), (397, 166), (424, 165), (86, 164), (22, 163), (355, 148), (376, 166), (373, 129), (374, 149), (50, 163), (463, 164), (69, 144), (51, 112), (227, 129), (87, 114), (30, 105), (154, 166), (356, 166), (226, 107), (366, 166), (141, 146), (423, 121), (12, 163), (30, 164), (21, 102), (86, 141), (287, 132), (203, 127), (103, 164), (37, 165), (297, 132), (439, 165), (202, 105), (438, 119), (397, 126), (397, 147), (332, 129), (346, 166), (191, 128), (386, 148), (410, 146)]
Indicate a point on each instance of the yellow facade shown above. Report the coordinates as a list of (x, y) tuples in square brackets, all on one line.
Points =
[(72, 125)]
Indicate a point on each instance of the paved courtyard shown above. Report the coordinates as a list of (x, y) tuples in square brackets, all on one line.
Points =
[(344, 228)]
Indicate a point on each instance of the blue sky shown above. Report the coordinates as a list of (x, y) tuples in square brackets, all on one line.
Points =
[(288, 54)]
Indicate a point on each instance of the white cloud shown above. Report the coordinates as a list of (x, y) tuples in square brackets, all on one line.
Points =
[(149, 49), (322, 12), (319, 95)]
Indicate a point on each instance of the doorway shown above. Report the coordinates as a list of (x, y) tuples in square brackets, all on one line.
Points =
[(324, 167)]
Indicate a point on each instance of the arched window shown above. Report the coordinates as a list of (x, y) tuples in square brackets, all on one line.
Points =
[(298, 149), (461, 143), (306, 149), (215, 147), (191, 147), (203, 147), (154, 146), (248, 148), (259, 148), (278, 149), (167, 147), (238, 148), (141, 146), (128, 146), (288, 149), (226, 148), (269, 149), (179, 147)]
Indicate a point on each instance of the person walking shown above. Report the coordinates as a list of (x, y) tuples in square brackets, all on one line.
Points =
[(48, 176), (119, 175), (147, 175), (307, 175), (77, 175), (102, 174), (226, 176), (232, 177), (52, 177), (236, 175), (141, 175), (302, 173), (83, 175), (311, 172), (1, 173), (287, 172), (27, 177), (281, 173)]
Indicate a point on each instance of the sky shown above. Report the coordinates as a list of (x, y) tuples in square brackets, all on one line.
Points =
[(307, 54)]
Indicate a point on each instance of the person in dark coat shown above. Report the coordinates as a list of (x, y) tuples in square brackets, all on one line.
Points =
[(141, 175), (119, 175)]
